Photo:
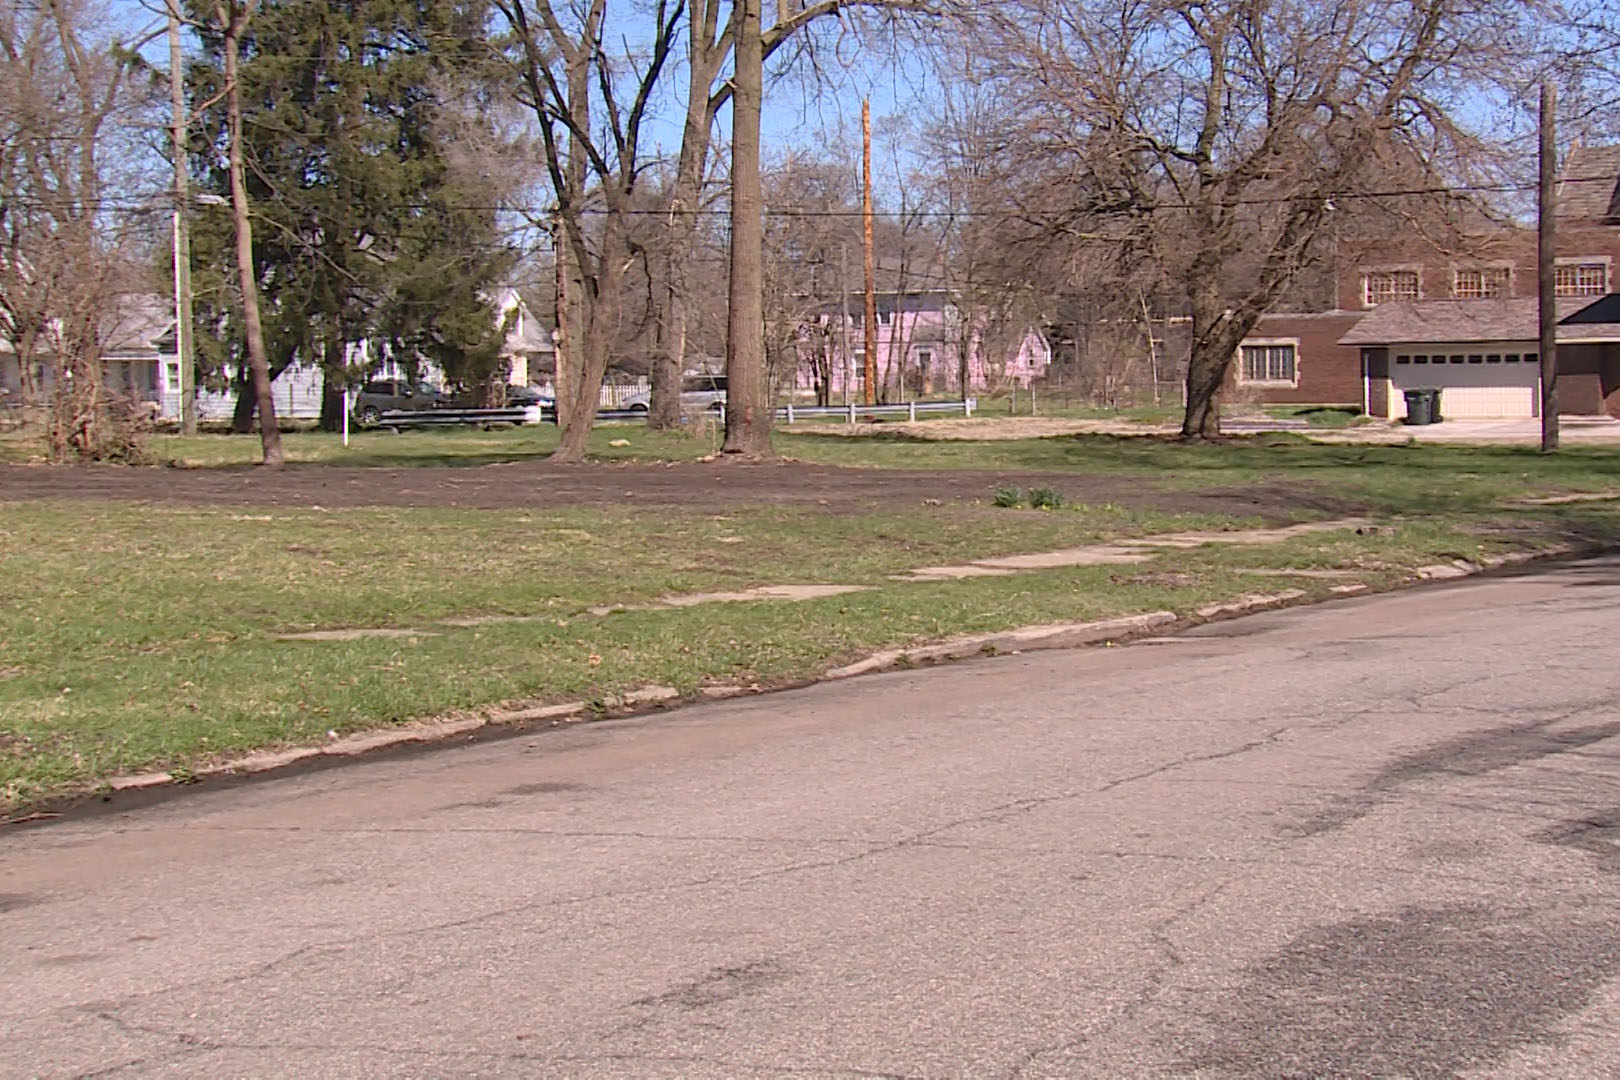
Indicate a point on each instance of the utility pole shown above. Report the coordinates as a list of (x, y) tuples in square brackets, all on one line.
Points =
[(1546, 268), (869, 370), (182, 232)]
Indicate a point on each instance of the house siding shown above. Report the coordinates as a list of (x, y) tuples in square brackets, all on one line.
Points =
[(918, 352)]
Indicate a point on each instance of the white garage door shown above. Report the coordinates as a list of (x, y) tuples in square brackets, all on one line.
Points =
[(1487, 402)]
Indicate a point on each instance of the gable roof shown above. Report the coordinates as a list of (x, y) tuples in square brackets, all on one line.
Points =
[(133, 325), (140, 323), (1604, 310), (1598, 321), (1448, 322), (1590, 187)]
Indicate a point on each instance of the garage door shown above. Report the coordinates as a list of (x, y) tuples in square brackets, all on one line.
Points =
[(1487, 402)]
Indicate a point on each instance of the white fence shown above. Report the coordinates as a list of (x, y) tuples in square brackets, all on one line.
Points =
[(910, 410)]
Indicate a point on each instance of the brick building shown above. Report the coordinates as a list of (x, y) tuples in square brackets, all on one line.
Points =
[(1473, 292)]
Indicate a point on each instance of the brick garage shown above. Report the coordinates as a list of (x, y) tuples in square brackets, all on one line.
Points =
[(1482, 355), (1297, 360), (1589, 359)]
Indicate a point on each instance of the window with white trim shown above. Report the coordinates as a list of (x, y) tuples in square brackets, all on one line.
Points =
[(1481, 283), (1581, 278), (1277, 363), (1388, 286)]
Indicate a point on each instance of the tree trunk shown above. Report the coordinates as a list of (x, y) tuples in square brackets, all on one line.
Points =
[(597, 326), (247, 406), (258, 363), (247, 403), (333, 377), (331, 406), (748, 412), (664, 402), (578, 319), (1212, 349), (704, 56)]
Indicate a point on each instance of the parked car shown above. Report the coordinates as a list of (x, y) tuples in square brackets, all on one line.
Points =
[(524, 396), (698, 392), (514, 397), (387, 395)]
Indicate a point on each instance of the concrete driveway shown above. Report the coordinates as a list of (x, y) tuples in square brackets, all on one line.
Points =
[(1377, 838), (1572, 431)]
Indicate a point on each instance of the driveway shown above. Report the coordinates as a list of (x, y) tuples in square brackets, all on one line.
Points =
[(1572, 431), (1375, 838)]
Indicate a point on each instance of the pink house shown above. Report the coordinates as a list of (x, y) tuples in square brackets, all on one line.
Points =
[(921, 341)]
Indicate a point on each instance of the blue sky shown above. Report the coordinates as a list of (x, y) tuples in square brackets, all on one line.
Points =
[(805, 115)]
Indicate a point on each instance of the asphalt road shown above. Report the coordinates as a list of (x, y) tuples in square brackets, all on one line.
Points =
[(1377, 838)]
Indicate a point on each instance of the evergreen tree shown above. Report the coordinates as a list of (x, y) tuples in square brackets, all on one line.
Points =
[(368, 230)]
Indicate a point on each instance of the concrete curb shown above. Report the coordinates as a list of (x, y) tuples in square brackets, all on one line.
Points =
[(1025, 639), (647, 698)]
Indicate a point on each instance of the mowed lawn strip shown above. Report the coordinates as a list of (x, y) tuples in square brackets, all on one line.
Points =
[(137, 636), (134, 635)]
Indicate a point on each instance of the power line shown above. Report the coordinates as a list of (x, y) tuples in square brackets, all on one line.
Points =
[(134, 206)]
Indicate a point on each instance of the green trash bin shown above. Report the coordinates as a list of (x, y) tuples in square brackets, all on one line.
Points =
[(1420, 407), (1434, 406)]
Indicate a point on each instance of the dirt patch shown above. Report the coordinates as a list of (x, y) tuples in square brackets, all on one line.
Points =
[(695, 486), (355, 634), (986, 428), (791, 593)]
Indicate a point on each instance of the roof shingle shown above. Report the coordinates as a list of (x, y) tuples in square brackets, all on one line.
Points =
[(1590, 187), (1447, 322)]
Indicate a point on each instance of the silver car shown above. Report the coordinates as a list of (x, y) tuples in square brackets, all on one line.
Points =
[(698, 392)]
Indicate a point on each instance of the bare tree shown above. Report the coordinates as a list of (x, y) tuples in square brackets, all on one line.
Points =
[(1219, 135), (1587, 67), (232, 18), (750, 36), (801, 265), (590, 106), (62, 245)]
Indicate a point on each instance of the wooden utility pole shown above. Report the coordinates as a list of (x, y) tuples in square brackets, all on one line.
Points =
[(182, 231), (1546, 268), (869, 369)]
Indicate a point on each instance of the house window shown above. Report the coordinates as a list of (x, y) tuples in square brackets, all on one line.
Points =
[(1270, 364), (1581, 278), (1481, 283), (925, 358), (885, 318), (1387, 286)]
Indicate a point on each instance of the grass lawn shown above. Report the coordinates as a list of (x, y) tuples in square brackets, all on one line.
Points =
[(137, 636)]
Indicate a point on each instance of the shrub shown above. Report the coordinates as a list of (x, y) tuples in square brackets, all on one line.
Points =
[(1045, 498)]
